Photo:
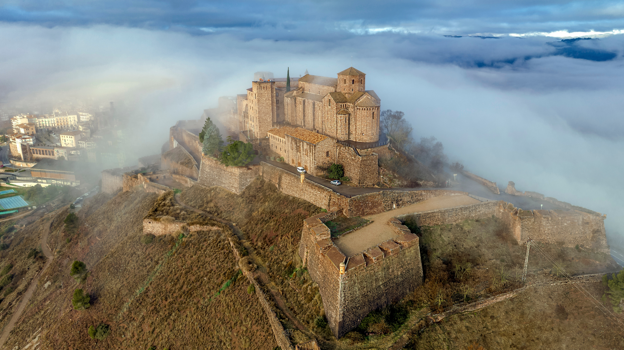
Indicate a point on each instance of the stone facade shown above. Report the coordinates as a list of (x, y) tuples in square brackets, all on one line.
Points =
[(235, 179), (353, 287)]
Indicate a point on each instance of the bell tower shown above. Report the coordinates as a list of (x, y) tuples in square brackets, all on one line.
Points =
[(351, 80)]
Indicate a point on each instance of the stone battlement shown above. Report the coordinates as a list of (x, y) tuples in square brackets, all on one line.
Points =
[(352, 287)]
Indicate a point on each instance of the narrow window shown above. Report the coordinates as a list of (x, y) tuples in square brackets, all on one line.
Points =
[(361, 81), (353, 81), (345, 81), (373, 115), (329, 102), (327, 154)]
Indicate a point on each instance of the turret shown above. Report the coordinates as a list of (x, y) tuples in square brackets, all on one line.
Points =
[(351, 80)]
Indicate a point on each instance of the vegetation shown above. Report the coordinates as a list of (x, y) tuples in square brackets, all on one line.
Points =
[(71, 223), (343, 224), (147, 238), (615, 294), (6, 269), (78, 271), (237, 153), (335, 171), (81, 301), (39, 195), (100, 332), (5, 281), (34, 253), (211, 139)]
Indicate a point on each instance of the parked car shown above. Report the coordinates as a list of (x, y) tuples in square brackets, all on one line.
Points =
[(301, 169), (336, 182)]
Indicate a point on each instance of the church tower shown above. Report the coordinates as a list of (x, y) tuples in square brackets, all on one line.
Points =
[(351, 80)]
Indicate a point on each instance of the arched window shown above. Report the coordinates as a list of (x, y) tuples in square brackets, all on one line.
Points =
[(361, 81), (345, 81), (353, 81)]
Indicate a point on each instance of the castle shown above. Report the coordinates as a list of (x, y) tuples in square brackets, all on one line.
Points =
[(320, 122)]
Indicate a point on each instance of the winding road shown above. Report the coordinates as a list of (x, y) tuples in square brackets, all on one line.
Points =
[(30, 291)]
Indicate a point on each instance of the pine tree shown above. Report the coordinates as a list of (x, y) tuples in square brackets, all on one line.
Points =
[(288, 79), (213, 142)]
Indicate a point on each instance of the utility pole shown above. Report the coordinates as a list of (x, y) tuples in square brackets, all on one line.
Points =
[(526, 261)]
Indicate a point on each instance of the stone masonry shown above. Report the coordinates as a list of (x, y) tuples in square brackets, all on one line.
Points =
[(235, 179)]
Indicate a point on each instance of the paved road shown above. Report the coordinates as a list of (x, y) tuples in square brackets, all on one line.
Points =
[(344, 190)]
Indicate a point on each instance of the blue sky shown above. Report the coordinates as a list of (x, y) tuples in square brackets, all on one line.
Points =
[(525, 106)]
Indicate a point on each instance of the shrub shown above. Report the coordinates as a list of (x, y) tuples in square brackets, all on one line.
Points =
[(321, 322), (147, 238), (4, 246), (9, 291), (100, 332), (72, 206), (77, 268), (345, 179), (237, 153), (152, 348), (616, 290), (335, 171), (71, 223), (6, 269), (6, 280), (251, 289), (81, 301), (34, 253)]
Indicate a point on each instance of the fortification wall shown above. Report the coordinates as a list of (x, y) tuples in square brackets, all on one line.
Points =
[(351, 288), (379, 202), (487, 183), (168, 226), (361, 169), (112, 181), (566, 227), (186, 139), (454, 215), (235, 179)]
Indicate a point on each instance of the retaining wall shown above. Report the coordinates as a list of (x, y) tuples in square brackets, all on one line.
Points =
[(487, 183), (235, 179), (453, 215)]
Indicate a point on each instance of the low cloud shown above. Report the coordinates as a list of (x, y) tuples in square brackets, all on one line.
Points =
[(509, 108)]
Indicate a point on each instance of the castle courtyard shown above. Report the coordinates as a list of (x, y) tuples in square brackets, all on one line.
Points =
[(379, 231)]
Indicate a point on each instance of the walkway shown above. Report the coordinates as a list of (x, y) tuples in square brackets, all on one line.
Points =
[(379, 231), (30, 291)]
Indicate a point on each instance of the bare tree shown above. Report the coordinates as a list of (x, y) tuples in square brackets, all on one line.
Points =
[(395, 127)]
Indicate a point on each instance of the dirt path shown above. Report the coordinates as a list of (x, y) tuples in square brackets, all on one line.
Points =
[(30, 291), (379, 231)]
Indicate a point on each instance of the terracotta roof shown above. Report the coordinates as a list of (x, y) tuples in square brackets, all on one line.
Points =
[(351, 71), (281, 132), (316, 79), (307, 135)]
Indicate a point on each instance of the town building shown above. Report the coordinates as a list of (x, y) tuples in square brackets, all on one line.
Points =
[(25, 129), (70, 138)]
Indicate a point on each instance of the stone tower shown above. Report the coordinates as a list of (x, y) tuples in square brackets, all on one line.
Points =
[(263, 111), (351, 80)]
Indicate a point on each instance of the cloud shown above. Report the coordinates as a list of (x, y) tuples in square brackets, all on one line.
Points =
[(551, 123)]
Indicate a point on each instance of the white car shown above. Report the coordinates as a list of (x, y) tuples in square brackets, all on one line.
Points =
[(336, 182), (301, 169)]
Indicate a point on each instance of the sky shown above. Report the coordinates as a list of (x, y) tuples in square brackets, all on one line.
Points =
[(504, 85)]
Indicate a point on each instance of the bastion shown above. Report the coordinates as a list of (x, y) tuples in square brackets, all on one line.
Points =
[(352, 286)]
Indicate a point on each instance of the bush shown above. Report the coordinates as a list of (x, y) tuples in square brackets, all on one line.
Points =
[(237, 153), (71, 223), (81, 301), (34, 253), (6, 269), (345, 179), (9, 291), (147, 238), (251, 289), (6, 280), (4, 246), (616, 290), (72, 206), (321, 322), (77, 268), (335, 171), (100, 332)]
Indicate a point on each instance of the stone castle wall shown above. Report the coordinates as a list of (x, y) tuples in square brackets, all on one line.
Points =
[(112, 180), (185, 138), (382, 201), (453, 215), (235, 179), (566, 227), (381, 275), (361, 169), (487, 183)]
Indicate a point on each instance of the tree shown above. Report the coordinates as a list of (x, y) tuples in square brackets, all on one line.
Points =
[(71, 223), (100, 332), (395, 127), (237, 153), (616, 290), (78, 268), (335, 171), (81, 301), (288, 79), (211, 139)]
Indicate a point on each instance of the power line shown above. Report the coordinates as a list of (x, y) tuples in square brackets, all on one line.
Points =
[(599, 305)]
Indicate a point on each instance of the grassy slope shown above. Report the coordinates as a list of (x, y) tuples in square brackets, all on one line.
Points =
[(272, 222), (165, 313)]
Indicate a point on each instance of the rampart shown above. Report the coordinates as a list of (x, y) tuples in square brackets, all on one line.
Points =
[(487, 183), (453, 215), (167, 225), (352, 287), (112, 179), (361, 169), (566, 227), (235, 179), (179, 135)]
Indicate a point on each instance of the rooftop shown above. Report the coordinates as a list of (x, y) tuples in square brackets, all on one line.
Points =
[(281, 132), (319, 80), (70, 133), (351, 71), (307, 135)]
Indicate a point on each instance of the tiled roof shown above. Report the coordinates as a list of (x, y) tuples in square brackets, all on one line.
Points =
[(281, 132), (367, 102), (338, 97), (351, 71), (309, 96), (307, 135), (343, 111), (316, 79), (372, 93)]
